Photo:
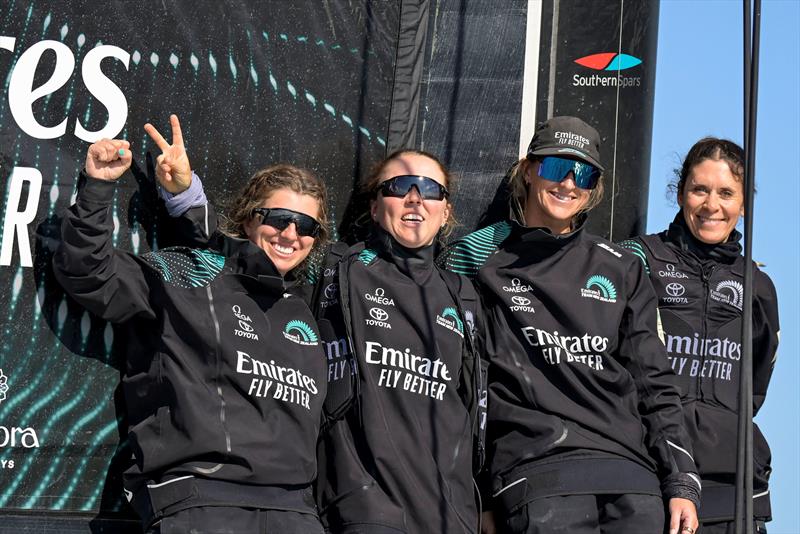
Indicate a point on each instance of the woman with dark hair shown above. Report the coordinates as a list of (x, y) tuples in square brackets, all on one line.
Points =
[(224, 374), (401, 459), (585, 431), (696, 268)]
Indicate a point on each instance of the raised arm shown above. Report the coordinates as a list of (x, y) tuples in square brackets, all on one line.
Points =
[(109, 283), (194, 219)]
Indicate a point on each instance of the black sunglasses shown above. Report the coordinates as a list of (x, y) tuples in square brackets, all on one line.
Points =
[(399, 187), (280, 218)]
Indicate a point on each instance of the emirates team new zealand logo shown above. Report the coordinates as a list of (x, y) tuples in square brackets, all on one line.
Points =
[(600, 288), (450, 320), (299, 332)]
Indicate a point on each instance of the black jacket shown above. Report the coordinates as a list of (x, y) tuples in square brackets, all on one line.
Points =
[(224, 375), (402, 457), (700, 293), (581, 396)]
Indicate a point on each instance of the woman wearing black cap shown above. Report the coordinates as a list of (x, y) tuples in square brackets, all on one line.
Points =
[(585, 430), (696, 268)]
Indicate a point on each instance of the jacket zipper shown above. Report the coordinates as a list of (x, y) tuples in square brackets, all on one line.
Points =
[(218, 373), (705, 276)]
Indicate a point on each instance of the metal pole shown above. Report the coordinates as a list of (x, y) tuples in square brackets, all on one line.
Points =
[(744, 467)]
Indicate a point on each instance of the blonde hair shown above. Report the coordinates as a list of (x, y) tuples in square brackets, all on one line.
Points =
[(518, 192)]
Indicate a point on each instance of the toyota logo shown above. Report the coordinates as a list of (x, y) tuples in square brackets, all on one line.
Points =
[(675, 289), (330, 291), (520, 301), (378, 314), (245, 326)]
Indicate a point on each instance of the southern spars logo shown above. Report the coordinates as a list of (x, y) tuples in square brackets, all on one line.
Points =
[(300, 333), (449, 319), (674, 294), (3, 386), (729, 292), (245, 329), (520, 303), (611, 64), (599, 288)]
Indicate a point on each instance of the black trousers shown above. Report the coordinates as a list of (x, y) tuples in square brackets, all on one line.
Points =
[(729, 527), (588, 514), (230, 520)]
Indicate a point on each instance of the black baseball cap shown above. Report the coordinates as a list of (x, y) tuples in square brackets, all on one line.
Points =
[(567, 137)]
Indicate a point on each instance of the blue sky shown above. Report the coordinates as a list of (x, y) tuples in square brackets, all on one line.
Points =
[(698, 93)]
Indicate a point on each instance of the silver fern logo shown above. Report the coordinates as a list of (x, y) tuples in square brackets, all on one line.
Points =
[(449, 319), (729, 292), (300, 333), (599, 288), (3, 386)]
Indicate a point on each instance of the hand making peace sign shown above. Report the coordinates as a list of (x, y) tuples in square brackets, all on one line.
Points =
[(173, 170)]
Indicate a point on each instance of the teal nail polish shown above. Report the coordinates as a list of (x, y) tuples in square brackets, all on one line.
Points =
[(121, 151)]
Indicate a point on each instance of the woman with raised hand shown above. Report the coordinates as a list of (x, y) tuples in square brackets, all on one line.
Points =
[(402, 437), (696, 267), (585, 432), (224, 372)]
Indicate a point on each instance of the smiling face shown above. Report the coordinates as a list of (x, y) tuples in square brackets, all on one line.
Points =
[(712, 200), (284, 247), (412, 221), (553, 204)]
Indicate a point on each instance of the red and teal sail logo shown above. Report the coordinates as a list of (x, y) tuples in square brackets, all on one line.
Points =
[(608, 61)]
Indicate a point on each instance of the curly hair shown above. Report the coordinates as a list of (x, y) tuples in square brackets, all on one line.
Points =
[(262, 185)]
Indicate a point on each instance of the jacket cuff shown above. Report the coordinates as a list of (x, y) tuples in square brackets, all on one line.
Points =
[(95, 190), (682, 486)]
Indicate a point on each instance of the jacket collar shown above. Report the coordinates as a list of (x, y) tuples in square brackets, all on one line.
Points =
[(679, 235), (544, 239), (413, 262), (250, 260)]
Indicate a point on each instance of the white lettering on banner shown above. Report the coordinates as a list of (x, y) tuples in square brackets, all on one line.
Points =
[(18, 437), (22, 95), (6, 464), (407, 371), (16, 222), (105, 91)]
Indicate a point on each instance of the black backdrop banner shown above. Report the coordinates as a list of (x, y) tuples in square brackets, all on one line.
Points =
[(326, 84)]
